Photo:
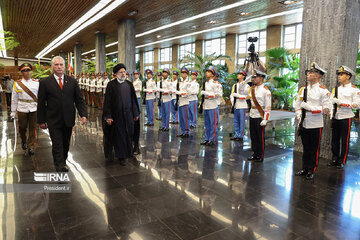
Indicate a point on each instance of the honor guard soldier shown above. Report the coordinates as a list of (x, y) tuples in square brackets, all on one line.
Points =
[(238, 98), (260, 97), (24, 101), (105, 82), (174, 112), (81, 84), (150, 97), (87, 88), (99, 91), (137, 85), (346, 99), (183, 103), (210, 105), (158, 86), (166, 99), (317, 102), (92, 90), (193, 99)]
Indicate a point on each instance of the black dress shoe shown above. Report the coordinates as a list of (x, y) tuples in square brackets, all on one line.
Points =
[(180, 135), (233, 139), (160, 129), (240, 139), (340, 166), (146, 124), (259, 159), (24, 146), (136, 151), (332, 163), (64, 168), (192, 127), (31, 152), (204, 142), (309, 176), (185, 136), (165, 130), (122, 161), (301, 173), (210, 143), (252, 158)]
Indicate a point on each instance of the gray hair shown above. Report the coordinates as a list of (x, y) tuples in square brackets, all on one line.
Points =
[(56, 58)]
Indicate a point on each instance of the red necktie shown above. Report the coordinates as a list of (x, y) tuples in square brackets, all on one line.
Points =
[(60, 83)]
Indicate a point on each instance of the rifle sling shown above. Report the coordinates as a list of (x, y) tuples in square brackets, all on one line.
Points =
[(30, 93), (257, 105)]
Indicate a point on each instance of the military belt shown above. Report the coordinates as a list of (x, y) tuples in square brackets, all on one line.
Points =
[(26, 100)]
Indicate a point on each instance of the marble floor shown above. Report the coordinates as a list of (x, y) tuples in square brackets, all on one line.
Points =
[(177, 189)]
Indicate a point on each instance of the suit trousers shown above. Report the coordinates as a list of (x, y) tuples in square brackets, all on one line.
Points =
[(60, 138), (340, 139)]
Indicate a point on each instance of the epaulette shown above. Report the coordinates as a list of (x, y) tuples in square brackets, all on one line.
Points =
[(354, 86), (35, 80), (322, 86), (266, 88)]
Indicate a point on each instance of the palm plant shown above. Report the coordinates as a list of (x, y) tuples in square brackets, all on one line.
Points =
[(40, 71), (283, 87)]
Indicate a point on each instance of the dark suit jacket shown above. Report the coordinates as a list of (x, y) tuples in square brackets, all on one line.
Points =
[(56, 107)]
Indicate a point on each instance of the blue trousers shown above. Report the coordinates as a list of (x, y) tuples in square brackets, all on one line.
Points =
[(150, 110), (210, 124), (239, 122), (139, 104), (174, 113), (184, 126), (217, 119), (165, 109), (193, 113)]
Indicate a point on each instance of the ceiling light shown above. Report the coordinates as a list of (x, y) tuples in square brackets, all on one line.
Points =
[(227, 26), (212, 22), (217, 10), (158, 36), (244, 14), (2, 38), (288, 2), (111, 53), (87, 19), (132, 13), (194, 27)]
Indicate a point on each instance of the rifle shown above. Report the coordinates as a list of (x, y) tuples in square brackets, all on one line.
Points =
[(335, 94), (144, 93), (159, 99), (235, 91), (303, 110), (177, 95), (201, 108)]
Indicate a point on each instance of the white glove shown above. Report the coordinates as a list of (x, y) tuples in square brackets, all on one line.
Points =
[(306, 106), (12, 115), (335, 100), (298, 115), (354, 106), (145, 90), (236, 95), (263, 123)]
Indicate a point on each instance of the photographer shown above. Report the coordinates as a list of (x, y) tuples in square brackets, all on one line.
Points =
[(253, 62)]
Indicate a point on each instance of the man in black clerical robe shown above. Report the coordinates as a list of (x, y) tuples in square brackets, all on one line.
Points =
[(121, 110)]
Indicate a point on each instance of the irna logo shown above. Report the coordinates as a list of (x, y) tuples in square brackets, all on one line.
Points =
[(51, 177)]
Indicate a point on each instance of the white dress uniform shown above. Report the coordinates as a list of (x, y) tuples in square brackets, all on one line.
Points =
[(150, 97), (240, 93), (137, 85), (105, 83), (166, 103), (318, 100), (193, 102), (348, 98)]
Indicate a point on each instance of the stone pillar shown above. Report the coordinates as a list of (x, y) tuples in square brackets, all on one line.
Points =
[(100, 52), (273, 36), (63, 55), (77, 59), (156, 60), (230, 50), (141, 59), (330, 30), (175, 56), (199, 47), (126, 45)]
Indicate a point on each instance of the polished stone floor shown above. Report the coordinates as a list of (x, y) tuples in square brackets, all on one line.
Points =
[(177, 189)]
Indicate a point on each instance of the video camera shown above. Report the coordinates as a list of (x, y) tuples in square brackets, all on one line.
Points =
[(5, 78), (252, 55)]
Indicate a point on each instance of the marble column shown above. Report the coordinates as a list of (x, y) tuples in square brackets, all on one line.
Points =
[(330, 32), (100, 52), (127, 43), (77, 59), (175, 56), (156, 60), (141, 59), (230, 50), (199, 47)]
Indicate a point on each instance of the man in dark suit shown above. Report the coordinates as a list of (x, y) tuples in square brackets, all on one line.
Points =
[(58, 95)]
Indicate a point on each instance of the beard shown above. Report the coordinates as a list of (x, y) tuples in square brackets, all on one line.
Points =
[(121, 77)]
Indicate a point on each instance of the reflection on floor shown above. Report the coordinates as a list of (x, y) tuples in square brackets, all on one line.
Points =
[(177, 189)]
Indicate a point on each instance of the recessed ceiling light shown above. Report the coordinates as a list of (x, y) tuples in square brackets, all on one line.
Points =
[(158, 36), (288, 2), (212, 22), (194, 27), (132, 13), (245, 14)]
